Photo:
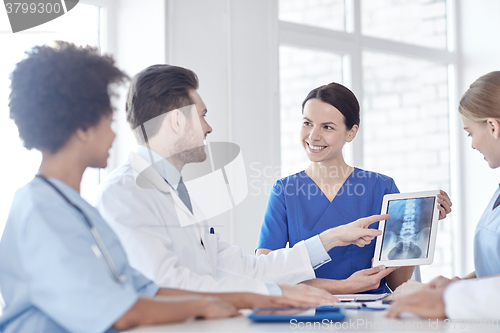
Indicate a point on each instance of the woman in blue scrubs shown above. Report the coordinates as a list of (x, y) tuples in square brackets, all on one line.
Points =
[(62, 269), (330, 193)]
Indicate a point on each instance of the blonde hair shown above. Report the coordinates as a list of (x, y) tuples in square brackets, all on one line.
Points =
[(482, 100)]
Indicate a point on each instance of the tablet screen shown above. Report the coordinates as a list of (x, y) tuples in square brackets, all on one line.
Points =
[(407, 231)]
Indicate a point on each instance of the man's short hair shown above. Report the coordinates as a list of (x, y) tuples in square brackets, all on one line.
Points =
[(156, 90), (57, 90)]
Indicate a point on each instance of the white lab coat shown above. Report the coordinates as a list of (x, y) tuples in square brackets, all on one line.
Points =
[(473, 299), (148, 222)]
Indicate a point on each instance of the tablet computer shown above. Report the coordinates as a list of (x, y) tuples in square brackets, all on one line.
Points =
[(298, 314), (409, 235)]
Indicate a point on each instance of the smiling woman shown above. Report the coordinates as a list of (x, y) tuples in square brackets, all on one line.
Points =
[(324, 122), (330, 193)]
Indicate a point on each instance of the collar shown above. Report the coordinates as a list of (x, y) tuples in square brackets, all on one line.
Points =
[(161, 165)]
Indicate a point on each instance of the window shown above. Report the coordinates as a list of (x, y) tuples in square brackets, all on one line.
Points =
[(396, 57), (406, 131), (320, 13), (420, 22), (81, 25), (301, 70), (406, 116)]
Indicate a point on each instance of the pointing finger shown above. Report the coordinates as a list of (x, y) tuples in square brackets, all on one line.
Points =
[(367, 221)]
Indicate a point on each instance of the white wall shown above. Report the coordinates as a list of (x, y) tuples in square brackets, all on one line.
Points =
[(230, 46), (480, 48), (137, 39), (256, 120)]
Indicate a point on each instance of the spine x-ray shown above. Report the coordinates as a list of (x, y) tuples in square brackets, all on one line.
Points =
[(407, 231)]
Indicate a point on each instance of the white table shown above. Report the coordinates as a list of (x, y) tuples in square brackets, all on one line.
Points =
[(356, 320)]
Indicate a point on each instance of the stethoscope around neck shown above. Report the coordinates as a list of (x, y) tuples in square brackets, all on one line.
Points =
[(101, 248)]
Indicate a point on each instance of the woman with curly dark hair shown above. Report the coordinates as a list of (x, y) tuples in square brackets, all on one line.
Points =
[(61, 267)]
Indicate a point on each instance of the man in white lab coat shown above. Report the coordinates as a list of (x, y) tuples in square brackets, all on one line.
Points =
[(146, 203)]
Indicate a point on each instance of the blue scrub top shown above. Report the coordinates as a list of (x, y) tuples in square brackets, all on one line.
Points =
[(297, 209), (487, 241), (50, 278)]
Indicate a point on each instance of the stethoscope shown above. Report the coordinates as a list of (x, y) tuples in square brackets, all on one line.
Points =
[(101, 248)]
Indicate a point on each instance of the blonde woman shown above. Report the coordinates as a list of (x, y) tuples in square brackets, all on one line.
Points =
[(477, 296)]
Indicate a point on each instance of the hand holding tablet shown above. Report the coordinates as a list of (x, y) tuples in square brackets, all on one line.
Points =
[(409, 235)]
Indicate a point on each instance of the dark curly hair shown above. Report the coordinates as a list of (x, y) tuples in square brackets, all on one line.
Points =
[(57, 90)]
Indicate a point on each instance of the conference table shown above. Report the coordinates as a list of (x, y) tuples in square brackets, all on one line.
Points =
[(355, 321)]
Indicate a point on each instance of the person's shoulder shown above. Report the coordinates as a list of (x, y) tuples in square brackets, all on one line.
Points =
[(288, 184), (35, 194), (25, 199), (280, 186), (119, 181), (37, 205), (121, 176), (373, 177), (123, 185), (292, 179)]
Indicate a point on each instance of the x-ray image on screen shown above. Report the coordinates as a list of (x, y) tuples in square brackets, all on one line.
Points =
[(407, 231)]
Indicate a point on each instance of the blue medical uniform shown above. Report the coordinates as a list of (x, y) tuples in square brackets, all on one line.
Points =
[(297, 209), (50, 277), (487, 241)]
